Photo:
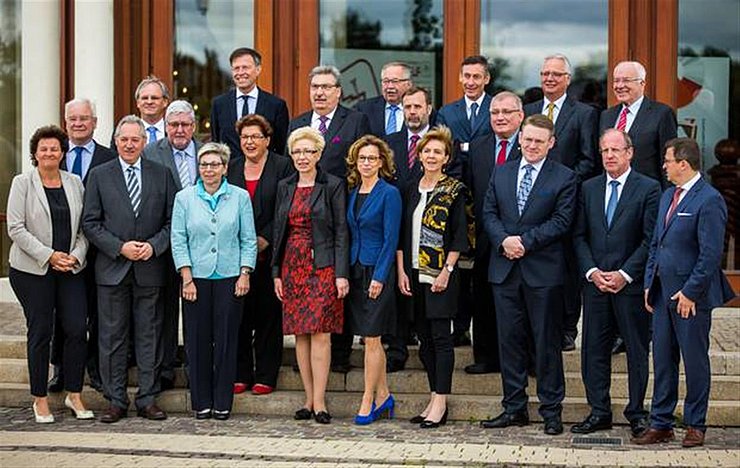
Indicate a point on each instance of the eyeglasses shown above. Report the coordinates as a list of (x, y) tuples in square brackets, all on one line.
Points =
[(323, 87), (213, 165), (150, 98), (179, 124), (255, 137), (625, 80), (79, 118), (394, 81), (553, 74), (370, 159), (306, 152), (613, 150), (504, 112)]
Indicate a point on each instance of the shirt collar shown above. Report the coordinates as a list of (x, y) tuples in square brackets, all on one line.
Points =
[(537, 166), (388, 105), (189, 150), (125, 165), (511, 139), (469, 102), (315, 117), (89, 146), (635, 106), (558, 102), (688, 185), (420, 133), (253, 93), (223, 189), (621, 179)]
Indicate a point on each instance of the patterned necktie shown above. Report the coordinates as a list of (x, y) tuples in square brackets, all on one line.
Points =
[(611, 206), (391, 126), (551, 112), (501, 158), (674, 204), (622, 122), (245, 105), (134, 192), (77, 165), (152, 134), (322, 124), (525, 186), (182, 168), (412, 150), (473, 113)]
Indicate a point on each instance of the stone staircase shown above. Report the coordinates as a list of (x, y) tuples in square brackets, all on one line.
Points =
[(474, 397)]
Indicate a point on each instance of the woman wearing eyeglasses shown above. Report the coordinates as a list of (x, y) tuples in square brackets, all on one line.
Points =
[(310, 265), (259, 172), (214, 247)]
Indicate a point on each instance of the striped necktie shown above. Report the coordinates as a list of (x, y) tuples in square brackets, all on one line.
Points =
[(551, 112), (182, 168), (622, 122), (134, 191), (152, 134)]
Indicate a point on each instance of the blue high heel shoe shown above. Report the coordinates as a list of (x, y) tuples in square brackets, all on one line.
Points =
[(388, 405), (361, 420)]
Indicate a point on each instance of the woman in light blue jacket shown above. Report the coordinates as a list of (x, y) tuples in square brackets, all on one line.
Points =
[(214, 247)]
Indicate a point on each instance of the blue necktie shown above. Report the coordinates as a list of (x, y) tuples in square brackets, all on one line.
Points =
[(611, 205), (473, 113), (152, 134), (525, 186), (77, 165), (391, 125)]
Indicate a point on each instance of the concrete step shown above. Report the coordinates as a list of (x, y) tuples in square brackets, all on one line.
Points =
[(345, 404), (724, 387)]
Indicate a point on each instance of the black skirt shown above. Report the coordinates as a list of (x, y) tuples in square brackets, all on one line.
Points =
[(371, 317)]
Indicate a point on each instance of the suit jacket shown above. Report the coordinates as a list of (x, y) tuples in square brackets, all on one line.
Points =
[(108, 221), (328, 223), (687, 251), (454, 116), (481, 161), (101, 155), (277, 168), (269, 106), (543, 226), (624, 245), (30, 225), (344, 129), (161, 152), (654, 125), (374, 109), (375, 228), (576, 138), (398, 142)]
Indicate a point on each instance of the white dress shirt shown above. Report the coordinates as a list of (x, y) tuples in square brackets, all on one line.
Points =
[(555, 110)]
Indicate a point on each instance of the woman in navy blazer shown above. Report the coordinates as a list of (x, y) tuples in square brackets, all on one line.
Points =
[(374, 220)]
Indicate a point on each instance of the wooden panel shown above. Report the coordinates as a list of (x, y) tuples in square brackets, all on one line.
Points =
[(666, 52), (264, 41), (162, 34), (284, 61), (306, 47), (66, 54), (619, 39)]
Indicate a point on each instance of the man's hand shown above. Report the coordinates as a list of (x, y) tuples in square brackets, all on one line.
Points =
[(685, 305), (262, 243), (131, 250), (648, 307), (615, 281), (600, 280), (145, 251), (513, 247)]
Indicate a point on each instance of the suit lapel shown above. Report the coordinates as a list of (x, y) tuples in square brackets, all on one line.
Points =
[(539, 182), (598, 209), (624, 199), (336, 124), (566, 112), (462, 114), (267, 174), (38, 189), (231, 115), (167, 156), (687, 199), (119, 181), (643, 114)]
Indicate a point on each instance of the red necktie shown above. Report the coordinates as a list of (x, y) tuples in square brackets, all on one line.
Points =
[(622, 122), (501, 158), (412, 150), (674, 204)]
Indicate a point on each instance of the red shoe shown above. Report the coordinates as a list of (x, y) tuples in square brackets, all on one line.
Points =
[(261, 389), (240, 388)]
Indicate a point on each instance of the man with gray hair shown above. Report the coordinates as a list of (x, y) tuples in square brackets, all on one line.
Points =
[(385, 112), (128, 207), (177, 152)]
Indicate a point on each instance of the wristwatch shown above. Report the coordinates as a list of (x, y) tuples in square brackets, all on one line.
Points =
[(245, 271), (449, 268)]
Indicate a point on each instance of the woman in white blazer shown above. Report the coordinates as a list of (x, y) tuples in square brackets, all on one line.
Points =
[(48, 252)]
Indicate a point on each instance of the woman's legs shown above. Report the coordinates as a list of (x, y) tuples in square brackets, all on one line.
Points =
[(303, 356), (444, 361), (320, 361), (376, 383)]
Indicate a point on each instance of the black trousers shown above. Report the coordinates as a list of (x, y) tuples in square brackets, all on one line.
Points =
[(211, 341), (603, 316), (436, 343), (465, 302), (42, 298), (170, 306), (485, 336), (527, 313), (571, 292), (261, 330), (122, 308)]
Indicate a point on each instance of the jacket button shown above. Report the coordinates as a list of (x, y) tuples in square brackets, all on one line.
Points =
[(213, 233), (213, 250), (213, 220)]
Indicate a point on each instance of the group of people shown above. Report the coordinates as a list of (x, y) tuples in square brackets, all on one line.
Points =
[(373, 222)]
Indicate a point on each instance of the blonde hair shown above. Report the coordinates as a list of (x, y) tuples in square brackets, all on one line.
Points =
[(306, 133)]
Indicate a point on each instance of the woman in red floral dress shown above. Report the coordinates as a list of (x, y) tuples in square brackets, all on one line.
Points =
[(311, 264)]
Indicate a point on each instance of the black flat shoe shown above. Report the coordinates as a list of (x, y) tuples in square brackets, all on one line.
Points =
[(203, 414), (303, 414), (592, 424), (221, 415), (428, 424), (322, 417), (417, 419), (506, 420)]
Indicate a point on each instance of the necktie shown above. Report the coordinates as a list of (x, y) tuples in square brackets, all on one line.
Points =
[(322, 124), (77, 165), (501, 158), (611, 205), (391, 125), (182, 168), (412, 150), (245, 105), (525, 186), (674, 204), (152, 134), (473, 113), (134, 192), (551, 112), (622, 122)]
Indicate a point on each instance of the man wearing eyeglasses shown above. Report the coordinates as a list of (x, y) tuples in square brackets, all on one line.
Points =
[(649, 123), (177, 153), (385, 112), (152, 97)]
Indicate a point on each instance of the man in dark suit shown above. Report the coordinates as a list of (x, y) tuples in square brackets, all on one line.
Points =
[(527, 213), (247, 98), (615, 222), (683, 283), (575, 147), (385, 112), (178, 153), (128, 206), (487, 152), (84, 153)]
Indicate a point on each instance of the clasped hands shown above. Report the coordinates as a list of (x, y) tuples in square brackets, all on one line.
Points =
[(63, 262), (513, 247), (608, 281), (137, 251)]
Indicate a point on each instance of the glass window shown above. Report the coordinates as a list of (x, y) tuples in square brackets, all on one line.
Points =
[(206, 32), (358, 37), (517, 35)]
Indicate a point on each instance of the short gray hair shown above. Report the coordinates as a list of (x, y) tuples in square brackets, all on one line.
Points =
[(219, 149), (151, 79), (406, 68), (562, 58), (80, 100), (508, 95), (326, 70), (639, 68), (179, 107), (130, 119)]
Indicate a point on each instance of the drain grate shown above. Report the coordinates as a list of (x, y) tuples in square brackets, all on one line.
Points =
[(597, 441)]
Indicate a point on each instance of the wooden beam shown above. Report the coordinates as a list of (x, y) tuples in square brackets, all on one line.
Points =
[(66, 54), (264, 41), (162, 41)]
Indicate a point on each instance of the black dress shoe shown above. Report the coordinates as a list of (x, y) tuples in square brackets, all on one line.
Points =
[(461, 340), (322, 417), (569, 343), (429, 424), (152, 413), (113, 414), (341, 368), (394, 366), (56, 384), (203, 414), (618, 346), (166, 384), (592, 424), (481, 368), (303, 414), (221, 415), (505, 420), (553, 426), (639, 426)]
